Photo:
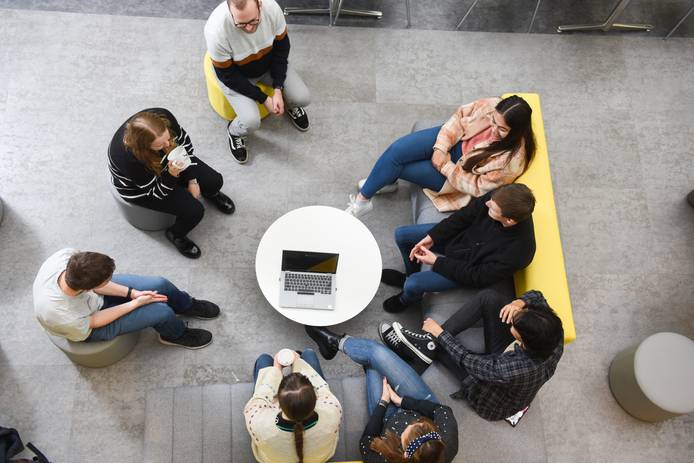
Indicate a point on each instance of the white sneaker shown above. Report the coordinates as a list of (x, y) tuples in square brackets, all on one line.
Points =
[(386, 189), (358, 208)]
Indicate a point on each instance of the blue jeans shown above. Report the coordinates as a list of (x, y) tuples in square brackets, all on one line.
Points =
[(159, 315), (418, 282), (409, 158), (379, 361), (307, 355)]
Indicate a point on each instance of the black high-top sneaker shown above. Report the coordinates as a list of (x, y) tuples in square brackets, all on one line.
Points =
[(420, 343), (391, 340)]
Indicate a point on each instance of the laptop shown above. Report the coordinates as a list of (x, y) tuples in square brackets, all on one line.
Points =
[(308, 279)]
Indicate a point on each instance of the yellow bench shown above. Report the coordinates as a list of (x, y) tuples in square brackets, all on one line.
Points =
[(217, 99), (546, 272)]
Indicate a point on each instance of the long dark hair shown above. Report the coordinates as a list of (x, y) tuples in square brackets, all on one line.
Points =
[(297, 400), (390, 445), (516, 112)]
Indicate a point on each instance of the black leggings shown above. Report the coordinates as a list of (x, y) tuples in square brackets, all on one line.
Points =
[(179, 202), (486, 305)]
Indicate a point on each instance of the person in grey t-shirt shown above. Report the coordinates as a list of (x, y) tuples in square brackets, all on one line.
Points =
[(77, 297)]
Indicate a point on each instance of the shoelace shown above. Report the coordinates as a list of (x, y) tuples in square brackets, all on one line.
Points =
[(296, 112), (392, 338), (414, 334), (238, 142)]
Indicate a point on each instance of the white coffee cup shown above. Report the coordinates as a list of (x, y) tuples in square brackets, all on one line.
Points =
[(179, 157), (285, 357)]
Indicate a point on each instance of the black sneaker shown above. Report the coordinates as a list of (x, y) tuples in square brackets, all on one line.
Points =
[(393, 342), (394, 304), (192, 338), (185, 245), (393, 278), (223, 203), (298, 117), (204, 310), (421, 344), (237, 145)]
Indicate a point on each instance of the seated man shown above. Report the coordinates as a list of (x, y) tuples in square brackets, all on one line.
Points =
[(481, 244), (295, 417), (77, 297), (248, 42), (524, 340)]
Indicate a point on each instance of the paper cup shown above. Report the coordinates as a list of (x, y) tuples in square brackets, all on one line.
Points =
[(285, 357)]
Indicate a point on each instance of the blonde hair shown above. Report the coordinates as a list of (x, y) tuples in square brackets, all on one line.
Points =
[(140, 132)]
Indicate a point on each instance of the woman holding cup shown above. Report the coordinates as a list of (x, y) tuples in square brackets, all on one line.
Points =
[(153, 165), (293, 418)]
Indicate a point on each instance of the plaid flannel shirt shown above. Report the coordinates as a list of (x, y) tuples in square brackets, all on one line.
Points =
[(499, 385)]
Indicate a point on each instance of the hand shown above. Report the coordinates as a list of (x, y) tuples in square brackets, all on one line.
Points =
[(269, 105), (385, 394), (425, 243), (431, 327), (173, 170), (145, 299), (394, 397), (194, 189), (278, 103), (134, 294), (276, 363), (509, 311), (425, 256), (439, 159)]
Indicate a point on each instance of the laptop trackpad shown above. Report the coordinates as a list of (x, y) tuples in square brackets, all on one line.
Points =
[(304, 300)]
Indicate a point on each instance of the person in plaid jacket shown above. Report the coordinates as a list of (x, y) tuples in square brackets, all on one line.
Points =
[(524, 340)]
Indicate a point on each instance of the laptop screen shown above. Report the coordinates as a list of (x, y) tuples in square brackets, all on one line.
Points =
[(305, 261)]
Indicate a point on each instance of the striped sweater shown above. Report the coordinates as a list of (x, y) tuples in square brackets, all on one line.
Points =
[(132, 179)]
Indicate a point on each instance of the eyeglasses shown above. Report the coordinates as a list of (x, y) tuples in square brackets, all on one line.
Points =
[(252, 22)]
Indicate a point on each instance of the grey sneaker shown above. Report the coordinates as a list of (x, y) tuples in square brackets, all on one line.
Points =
[(358, 208), (192, 338), (393, 187)]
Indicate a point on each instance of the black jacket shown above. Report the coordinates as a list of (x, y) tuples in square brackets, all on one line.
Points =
[(478, 250)]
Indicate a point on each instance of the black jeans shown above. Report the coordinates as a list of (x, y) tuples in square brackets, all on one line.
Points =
[(179, 202), (486, 305)]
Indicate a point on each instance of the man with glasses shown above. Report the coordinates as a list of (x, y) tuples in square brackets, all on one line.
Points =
[(248, 43)]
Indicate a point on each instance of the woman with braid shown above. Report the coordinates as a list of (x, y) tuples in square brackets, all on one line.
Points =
[(293, 418)]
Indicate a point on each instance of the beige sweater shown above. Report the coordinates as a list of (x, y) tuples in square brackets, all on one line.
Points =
[(273, 445)]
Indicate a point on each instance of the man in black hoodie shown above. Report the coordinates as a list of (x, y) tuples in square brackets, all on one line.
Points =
[(481, 244)]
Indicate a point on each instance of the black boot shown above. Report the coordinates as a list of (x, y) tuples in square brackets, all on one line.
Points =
[(327, 341), (392, 277)]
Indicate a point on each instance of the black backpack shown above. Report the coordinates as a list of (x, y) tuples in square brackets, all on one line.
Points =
[(11, 445)]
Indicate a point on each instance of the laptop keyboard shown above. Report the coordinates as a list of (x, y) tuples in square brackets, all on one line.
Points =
[(308, 283)]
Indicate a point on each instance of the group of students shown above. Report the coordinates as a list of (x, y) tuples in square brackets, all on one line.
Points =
[(468, 165)]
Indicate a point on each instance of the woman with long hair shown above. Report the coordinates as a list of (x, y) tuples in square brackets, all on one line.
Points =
[(485, 144), (144, 175), (293, 418), (409, 425)]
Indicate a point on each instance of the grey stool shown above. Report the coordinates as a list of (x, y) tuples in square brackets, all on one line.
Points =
[(654, 380), (141, 217), (96, 354)]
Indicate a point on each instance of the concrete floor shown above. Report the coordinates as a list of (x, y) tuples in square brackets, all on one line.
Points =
[(618, 122), (487, 15)]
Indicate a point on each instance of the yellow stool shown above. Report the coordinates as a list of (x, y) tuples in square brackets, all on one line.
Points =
[(217, 99)]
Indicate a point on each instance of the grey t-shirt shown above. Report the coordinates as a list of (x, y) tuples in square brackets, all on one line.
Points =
[(60, 314)]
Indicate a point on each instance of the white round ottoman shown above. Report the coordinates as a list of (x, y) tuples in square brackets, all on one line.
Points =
[(97, 354), (654, 380)]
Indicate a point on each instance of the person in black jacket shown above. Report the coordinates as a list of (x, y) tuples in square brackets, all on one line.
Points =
[(144, 175), (481, 244), (408, 426)]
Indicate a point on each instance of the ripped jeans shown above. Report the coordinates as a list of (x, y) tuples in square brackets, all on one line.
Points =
[(379, 361)]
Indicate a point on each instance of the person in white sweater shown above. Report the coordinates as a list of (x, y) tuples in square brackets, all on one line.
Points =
[(293, 418)]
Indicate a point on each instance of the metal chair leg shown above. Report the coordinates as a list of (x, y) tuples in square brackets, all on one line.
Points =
[(532, 21), (679, 23), (609, 23), (466, 14)]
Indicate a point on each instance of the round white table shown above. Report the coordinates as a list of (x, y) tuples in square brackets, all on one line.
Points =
[(322, 229)]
